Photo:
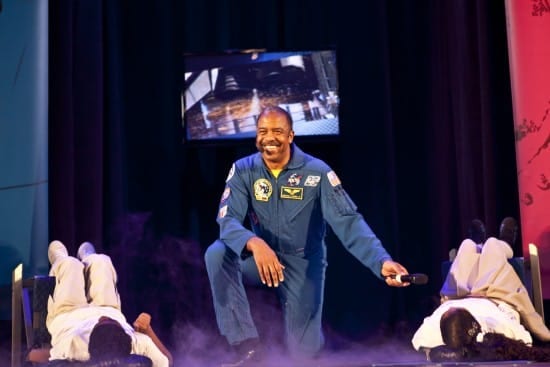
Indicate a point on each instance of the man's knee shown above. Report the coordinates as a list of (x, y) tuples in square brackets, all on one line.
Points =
[(214, 255)]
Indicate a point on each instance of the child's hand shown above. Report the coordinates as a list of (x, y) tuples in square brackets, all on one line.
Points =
[(143, 323)]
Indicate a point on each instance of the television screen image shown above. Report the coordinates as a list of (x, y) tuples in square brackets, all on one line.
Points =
[(224, 93)]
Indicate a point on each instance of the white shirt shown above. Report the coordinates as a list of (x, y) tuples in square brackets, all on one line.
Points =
[(71, 331), (492, 317)]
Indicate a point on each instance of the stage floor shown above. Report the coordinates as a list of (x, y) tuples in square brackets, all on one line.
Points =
[(479, 364), (354, 360), (418, 364)]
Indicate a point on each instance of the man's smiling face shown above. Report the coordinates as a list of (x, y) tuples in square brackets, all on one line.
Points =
[(273, 138)]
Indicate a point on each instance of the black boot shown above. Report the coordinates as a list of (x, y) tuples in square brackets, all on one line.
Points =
[(248, 353), (476, 232), (508, 231)]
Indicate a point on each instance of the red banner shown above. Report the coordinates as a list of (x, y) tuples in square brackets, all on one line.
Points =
[(528, 23)]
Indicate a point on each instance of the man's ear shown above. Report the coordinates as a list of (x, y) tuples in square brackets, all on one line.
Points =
[(291, 136)]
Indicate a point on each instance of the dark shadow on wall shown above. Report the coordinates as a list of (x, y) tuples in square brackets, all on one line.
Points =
[(165, 276)]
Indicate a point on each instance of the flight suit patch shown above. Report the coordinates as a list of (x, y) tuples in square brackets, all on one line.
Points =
[(231, 173), (333, 179), (225, 194), (312, 181), (294, 193), (294, 179), (262, 189), (222, 212)]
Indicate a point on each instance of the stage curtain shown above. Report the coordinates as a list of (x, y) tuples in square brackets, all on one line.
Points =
[(427, 139)]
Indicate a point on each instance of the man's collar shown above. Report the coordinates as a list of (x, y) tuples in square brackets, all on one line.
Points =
[(297, 157)]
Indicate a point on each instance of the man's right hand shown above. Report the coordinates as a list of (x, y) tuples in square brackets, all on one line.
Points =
[(269, 267)]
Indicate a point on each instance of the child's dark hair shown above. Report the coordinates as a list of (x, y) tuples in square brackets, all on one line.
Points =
[(494, 347), (459, 330), (109, 340)]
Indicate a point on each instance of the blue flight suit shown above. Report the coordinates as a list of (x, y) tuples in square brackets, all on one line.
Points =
[(290, 213)]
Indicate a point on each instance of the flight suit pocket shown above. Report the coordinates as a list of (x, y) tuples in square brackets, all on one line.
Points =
[(342, 202)]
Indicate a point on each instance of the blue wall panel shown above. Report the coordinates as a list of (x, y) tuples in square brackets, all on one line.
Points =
[(23, 139)]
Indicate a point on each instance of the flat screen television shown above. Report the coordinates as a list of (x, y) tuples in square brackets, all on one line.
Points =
[(223, 93)]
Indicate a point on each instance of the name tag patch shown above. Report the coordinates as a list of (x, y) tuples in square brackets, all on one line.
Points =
[(294, 193)]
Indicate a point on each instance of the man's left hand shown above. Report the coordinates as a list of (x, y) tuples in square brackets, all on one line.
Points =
[(390, 269)]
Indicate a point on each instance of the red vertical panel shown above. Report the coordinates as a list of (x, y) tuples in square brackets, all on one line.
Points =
[(528, 23)]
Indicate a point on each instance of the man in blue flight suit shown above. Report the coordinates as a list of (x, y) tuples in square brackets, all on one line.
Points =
[(289, 197)]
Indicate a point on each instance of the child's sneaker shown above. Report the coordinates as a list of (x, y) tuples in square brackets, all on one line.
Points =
[(85, 249), (56, 251)]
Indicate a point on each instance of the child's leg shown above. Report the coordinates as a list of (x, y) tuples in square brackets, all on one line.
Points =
[(463, 271), (101, 279), (69, 287)]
